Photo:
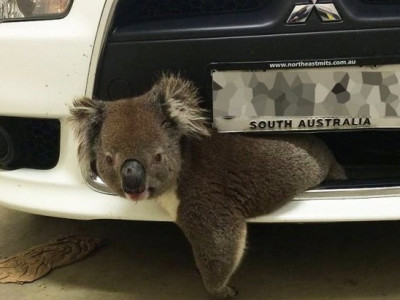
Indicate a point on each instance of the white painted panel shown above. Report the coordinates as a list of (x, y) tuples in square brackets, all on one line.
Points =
[(44, 64)]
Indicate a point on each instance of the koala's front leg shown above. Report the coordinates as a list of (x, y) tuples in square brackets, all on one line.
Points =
[(218, 238)]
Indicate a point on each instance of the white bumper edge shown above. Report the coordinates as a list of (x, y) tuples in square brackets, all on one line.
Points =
[(61, 192)]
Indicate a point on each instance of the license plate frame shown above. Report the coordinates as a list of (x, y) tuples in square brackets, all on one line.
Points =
[(306, 98)]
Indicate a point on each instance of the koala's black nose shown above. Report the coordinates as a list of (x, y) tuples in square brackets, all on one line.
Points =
[(133, 177)]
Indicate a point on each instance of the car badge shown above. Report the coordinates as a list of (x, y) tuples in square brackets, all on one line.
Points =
[(326, 11)]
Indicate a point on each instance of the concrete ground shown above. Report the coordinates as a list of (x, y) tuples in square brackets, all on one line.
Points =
[(153, 261)]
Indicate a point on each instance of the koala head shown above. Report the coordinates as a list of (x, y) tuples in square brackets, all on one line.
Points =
[(135, 143)]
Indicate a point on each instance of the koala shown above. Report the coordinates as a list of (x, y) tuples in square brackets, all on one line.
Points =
[(160, 146)]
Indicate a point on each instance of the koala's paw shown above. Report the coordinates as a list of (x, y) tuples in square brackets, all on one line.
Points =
[(226, 293), (233, 292)]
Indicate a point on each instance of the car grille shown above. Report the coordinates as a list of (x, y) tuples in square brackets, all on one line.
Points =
[(148, 10), (382, 2), (29, 143)]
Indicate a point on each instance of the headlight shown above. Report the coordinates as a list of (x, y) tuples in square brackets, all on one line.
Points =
[(13, 10)]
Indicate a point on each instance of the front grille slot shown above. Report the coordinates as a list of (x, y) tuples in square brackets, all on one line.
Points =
[(136, 11), (29, 143)]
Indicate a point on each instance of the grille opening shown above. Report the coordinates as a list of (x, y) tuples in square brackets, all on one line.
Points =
[(3, 146), (30, 143), (137, 11), (382, 2), (371, 158)]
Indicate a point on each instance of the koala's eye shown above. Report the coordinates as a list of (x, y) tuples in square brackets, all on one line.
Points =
[(109, 160), (158, 158)]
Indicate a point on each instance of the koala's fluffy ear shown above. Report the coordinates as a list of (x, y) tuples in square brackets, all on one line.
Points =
[(86, 118), (180, 101)]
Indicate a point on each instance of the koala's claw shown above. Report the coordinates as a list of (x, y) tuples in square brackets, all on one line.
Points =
[(234, 292), (226, 293)]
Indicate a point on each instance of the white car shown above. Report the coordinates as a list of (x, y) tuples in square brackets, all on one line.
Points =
[(329, 67)]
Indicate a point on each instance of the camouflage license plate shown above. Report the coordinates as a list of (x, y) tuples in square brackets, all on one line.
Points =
[(335, 98)]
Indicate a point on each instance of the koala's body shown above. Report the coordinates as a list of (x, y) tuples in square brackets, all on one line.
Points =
[(158, 146)]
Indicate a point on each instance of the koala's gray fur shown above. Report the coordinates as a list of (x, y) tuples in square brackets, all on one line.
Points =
[(219, 180)]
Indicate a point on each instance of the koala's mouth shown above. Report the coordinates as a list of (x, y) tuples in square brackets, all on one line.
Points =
[(137, 196)]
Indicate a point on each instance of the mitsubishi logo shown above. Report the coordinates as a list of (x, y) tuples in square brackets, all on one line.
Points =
[(326, 11)]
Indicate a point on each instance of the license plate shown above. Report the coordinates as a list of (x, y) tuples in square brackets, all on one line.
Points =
[(334, 98)]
